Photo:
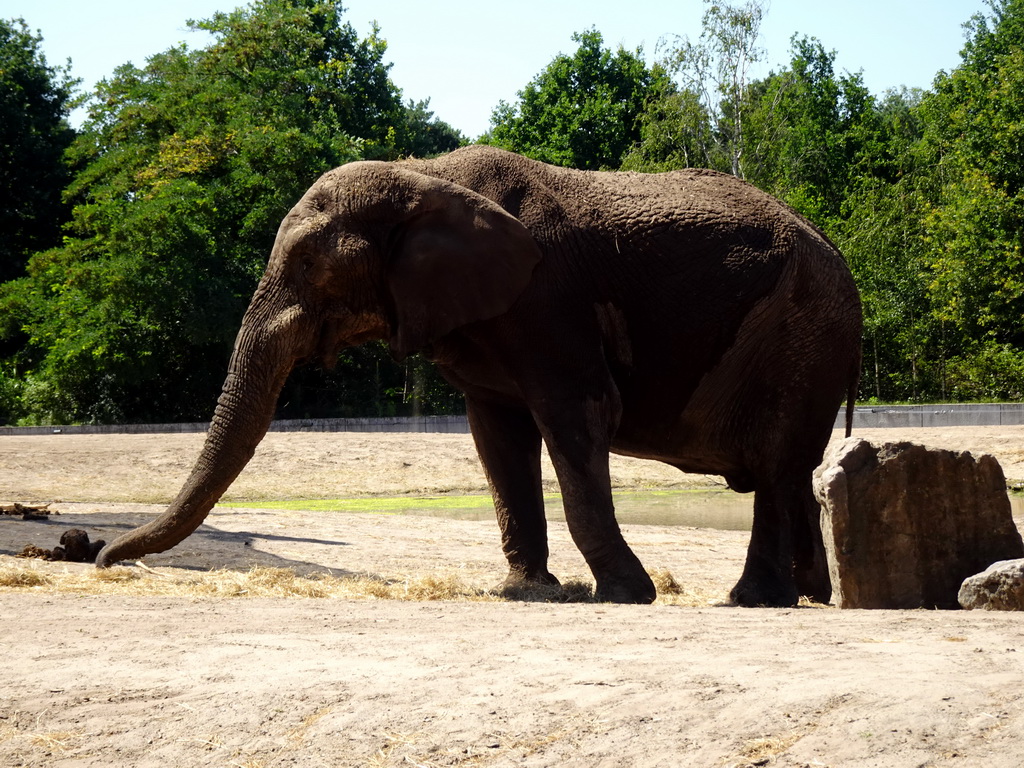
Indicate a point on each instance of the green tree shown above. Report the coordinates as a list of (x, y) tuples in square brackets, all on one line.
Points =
[(799, 133), (932, 225), (581, 111), (704, 121), (187, 167), (426, 135), (807, 131), (975, 227), (880, 230), (35, 100), (676, 131)]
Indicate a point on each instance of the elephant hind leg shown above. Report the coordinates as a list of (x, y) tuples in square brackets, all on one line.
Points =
[(810, 566), (786, 556)]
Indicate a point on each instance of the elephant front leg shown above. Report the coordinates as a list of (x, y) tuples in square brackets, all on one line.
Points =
[(578, 439), (509, 446)]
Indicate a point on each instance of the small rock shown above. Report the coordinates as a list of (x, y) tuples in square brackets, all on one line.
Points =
[(999, 588)]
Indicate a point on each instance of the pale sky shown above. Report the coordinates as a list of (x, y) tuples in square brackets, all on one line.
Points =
[(467, 55)]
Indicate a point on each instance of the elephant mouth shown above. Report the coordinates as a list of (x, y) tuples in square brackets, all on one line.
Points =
[(340, 333)]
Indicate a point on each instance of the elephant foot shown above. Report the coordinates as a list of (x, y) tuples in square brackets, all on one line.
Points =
[(633, 589), (621, 578), (764, 591), (519, 581)]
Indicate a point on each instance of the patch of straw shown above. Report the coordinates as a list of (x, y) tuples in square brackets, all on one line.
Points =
[(665, 582), (58, 742), (21, 578), (671, 592), (298, 733), (260, 582), (144, 581), (764, 750), (116, 575), (13, 729)]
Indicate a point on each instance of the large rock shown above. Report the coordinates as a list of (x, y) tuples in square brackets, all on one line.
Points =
[(904, 525), (1000, 588)]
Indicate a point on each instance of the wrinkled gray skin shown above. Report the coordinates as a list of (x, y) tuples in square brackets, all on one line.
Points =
[(684, 317)]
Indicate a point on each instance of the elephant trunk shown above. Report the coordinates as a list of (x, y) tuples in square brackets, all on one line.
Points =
[(264, 355)]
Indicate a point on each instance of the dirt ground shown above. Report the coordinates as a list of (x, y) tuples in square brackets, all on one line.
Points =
[(109, 677)]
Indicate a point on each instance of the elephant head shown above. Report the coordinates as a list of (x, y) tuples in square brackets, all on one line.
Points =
[(372, 251)]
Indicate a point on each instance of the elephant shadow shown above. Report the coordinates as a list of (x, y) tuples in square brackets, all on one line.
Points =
[(210, 547), (226, 542)]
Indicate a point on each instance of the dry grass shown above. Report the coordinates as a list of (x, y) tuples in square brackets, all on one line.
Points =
[(424, 750), (39, 577), (57, 741), (13, 578), (15, 727), (256, 582), (763, 751), (671, 592), (298, 733)]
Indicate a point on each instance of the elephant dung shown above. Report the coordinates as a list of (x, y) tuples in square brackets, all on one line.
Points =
[(904, 525), (78, 548), (75, 547), (1000, 588)]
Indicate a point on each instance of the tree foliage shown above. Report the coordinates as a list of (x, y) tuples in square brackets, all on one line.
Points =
[(716, 70), (581, 111), (976, 142), (932, 225), (426, 135), (184, 168), (974, 147), (809, 131), (187, 167), (880, 230), (35, 100), (921, 191)]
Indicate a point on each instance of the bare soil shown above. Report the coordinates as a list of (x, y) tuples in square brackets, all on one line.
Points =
[(122, 677)]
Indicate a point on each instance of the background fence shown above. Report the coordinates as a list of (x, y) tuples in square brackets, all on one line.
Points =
[(967, 415), (865, 417)]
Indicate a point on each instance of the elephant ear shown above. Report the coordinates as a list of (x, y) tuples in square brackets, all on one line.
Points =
[(458, 258)]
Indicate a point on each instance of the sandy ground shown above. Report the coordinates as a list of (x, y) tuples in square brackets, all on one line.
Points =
[(129, 680)]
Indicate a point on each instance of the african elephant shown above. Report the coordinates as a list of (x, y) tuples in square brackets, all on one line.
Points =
[(684, 316)]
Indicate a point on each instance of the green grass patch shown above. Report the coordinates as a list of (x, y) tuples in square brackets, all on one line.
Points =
[(384, 505), (395, 505)]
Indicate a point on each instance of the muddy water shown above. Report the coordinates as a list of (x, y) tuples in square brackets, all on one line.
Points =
[(723, 510)]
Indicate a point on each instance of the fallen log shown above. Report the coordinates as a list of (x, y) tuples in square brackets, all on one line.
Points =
[(28, 511)]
